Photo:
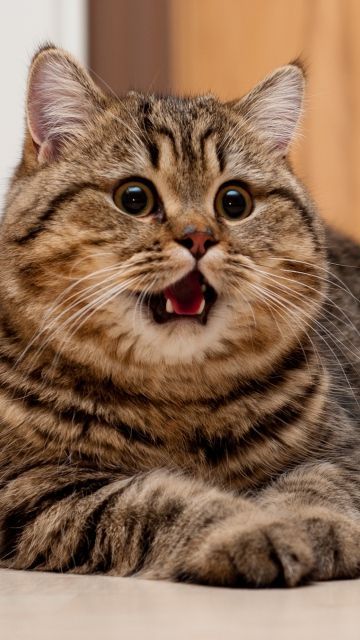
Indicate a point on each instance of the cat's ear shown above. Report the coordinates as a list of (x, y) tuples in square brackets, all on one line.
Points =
[(274, 106), (61, 100)]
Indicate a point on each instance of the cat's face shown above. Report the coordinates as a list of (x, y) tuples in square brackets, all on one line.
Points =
[(162, 228)]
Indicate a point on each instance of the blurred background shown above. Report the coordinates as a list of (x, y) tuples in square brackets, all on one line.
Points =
[(222, 46)]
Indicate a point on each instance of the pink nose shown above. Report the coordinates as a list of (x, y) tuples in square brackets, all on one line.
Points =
[(198, 242)]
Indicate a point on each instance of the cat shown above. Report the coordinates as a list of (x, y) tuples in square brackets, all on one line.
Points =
[(179, 342)]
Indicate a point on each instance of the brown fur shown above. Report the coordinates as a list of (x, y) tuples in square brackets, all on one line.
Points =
[(225, 454)]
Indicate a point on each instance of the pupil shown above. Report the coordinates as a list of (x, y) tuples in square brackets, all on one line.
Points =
[(234, 203), (134, 199)]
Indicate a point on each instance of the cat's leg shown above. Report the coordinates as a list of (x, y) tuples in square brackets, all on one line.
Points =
[(158, 525), (83, 521)]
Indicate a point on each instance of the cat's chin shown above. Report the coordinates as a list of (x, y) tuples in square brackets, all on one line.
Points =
[(182, 340)]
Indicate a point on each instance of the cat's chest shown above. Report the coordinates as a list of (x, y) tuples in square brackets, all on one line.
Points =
[(202, 437), (220, 433)]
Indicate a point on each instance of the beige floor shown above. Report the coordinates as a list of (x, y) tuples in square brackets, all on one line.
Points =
[(41, 606)]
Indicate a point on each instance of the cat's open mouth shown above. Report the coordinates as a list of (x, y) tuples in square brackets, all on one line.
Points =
[(191, 297)]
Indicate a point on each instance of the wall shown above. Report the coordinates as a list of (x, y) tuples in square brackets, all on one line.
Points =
[(24, 25)]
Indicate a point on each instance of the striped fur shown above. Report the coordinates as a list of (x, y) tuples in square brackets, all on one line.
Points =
[(224, 454)]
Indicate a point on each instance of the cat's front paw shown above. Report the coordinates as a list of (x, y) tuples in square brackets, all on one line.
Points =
[(277, 551), (259, 553), (335, 541)]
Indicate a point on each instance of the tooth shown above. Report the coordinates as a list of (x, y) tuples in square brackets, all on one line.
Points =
[(203, 287), (169, 306), (201, 308)]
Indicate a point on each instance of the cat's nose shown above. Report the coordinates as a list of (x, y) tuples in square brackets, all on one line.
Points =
[(198, 242)]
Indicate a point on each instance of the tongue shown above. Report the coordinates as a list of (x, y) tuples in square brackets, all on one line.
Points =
[(186, 295)]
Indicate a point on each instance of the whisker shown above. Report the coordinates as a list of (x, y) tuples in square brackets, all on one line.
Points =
[(326, 302), (343, 286), (285, 303), (303, 297), (89, 310), (122, 269), (141, 298), (44, 326)]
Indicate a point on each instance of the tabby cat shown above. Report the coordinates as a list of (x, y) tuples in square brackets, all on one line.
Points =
[(179, 349)]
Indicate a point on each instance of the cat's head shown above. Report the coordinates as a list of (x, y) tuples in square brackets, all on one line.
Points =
[(159, 228)]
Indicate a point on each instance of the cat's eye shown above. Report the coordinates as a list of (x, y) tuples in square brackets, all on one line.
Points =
[(233, 201), (135, 197)]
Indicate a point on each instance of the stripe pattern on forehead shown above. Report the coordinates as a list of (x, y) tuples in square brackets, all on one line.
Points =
[(152, 132), (218, 147), (185, 140)]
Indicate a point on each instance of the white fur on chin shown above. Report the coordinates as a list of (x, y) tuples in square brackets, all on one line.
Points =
[(182, 340)]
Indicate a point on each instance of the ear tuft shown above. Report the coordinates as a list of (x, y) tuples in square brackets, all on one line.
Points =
[(274, 106), (61, 100), (46, 46), (301, 64)]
